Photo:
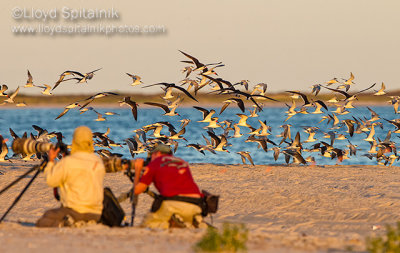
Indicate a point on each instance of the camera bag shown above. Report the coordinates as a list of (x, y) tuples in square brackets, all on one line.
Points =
[(112, 214), (210, 203)]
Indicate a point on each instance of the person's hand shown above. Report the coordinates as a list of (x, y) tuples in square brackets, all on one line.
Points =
[(52, 154), (138, 164)]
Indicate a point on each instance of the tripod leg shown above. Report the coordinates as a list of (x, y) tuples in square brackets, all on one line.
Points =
[(135, 199), (17, 180), (20, 195)]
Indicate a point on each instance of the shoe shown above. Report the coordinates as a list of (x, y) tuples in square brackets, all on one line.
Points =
[(67, 221), (176, 221), (198, 222)]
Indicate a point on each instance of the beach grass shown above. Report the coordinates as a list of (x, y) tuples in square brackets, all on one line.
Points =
[(231, 238), (390, 243)]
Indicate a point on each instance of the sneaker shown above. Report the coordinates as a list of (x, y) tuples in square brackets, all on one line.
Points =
[(176, 221), (198, 222), (67, 221)]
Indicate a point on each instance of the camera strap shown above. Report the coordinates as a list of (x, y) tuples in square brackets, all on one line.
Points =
[(158, 199), (195, 201)]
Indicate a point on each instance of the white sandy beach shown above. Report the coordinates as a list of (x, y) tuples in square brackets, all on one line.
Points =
[(285, 208)]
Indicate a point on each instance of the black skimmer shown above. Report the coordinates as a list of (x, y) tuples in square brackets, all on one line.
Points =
[(347, 95), (136, 79), (10, 99), (207, 114), (82, 78), (29, 82), (3, 148), (4, 88), (381, 91), (199, 66), (167, 85), (245, 155), (227, 102), (168, 112), (132, 104)]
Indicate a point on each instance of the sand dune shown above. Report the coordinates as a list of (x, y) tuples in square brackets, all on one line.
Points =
[(286, 208)]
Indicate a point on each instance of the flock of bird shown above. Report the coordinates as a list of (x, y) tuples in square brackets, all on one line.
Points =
[(218, 133)]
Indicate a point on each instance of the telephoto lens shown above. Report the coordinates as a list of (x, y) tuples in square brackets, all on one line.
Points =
[(29, 146), (115, 164)]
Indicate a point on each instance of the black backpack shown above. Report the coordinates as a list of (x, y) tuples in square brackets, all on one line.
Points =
[(210, 203), (112, 214)]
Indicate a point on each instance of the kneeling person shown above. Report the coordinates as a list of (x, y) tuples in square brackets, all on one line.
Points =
[(173, 180), (79, 177)]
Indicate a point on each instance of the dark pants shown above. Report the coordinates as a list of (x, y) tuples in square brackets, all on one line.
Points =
[(56, 217)]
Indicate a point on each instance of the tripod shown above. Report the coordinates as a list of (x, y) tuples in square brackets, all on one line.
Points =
[(38, 169), (131, 194)]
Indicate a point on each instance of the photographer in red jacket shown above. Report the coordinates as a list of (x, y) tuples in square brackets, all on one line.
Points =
[(180, 202)]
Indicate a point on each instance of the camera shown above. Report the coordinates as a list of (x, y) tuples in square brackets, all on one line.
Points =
[(30, 146), (115, 164)]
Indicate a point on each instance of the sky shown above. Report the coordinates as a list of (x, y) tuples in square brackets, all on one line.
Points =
[(286, 44)]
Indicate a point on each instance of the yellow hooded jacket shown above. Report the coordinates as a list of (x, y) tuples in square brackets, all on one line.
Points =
[(79, 176)]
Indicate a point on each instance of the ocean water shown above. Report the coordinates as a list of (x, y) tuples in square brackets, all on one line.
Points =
[(122, 126)]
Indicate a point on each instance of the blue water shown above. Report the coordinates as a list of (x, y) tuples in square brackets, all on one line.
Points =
[(122, 126)]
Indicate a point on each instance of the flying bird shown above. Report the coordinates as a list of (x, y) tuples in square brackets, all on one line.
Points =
[(29, 82), (168, 112), (347, 95), (82, 78), (245, 155), (4, 88), (199, 66), (381, 91), (132, 104), (167, 85), (238, 101), (10, 99), (135, 78)]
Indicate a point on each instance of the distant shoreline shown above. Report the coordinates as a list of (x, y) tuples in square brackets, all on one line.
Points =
[(184, 105)]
